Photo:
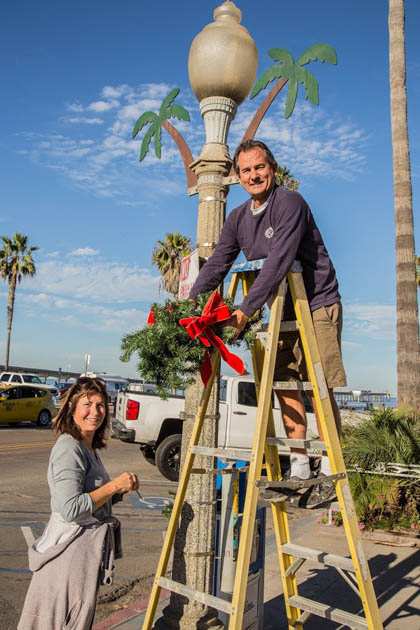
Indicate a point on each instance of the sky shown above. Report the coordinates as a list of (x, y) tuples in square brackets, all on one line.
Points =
[(75, 77)]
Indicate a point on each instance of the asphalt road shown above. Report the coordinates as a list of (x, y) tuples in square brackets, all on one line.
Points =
[(24, 502)]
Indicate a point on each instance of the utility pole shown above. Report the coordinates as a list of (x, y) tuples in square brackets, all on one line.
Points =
[(222, 69)]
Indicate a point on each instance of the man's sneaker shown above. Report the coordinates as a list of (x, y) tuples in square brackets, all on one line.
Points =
[(320, 494)]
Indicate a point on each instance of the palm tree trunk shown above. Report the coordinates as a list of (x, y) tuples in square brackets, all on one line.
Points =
[(408, 350), (10, 309)]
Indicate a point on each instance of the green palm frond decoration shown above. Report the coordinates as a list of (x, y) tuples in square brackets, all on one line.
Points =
[(168, 109), (285, 67)]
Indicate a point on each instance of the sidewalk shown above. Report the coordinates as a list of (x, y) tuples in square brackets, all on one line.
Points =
[(395, 571)]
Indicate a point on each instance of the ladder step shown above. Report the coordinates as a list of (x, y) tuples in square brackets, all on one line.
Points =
[(328, 612), (299, 483), (204, 598), (316, 445), (223, 453), (293, 385), (285, 326), (316, 555)]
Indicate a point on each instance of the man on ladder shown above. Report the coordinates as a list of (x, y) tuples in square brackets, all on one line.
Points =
[(277, 225)]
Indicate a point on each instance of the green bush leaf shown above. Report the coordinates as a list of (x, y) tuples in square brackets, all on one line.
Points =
[(318, 52), (145, 119)]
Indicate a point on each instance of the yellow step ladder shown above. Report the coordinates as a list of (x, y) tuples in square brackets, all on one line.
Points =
[(354, 570)]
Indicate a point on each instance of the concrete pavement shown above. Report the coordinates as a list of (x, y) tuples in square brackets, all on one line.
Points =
[(396, 573)]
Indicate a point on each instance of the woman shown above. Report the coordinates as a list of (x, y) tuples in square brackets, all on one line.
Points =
[(76, 551)]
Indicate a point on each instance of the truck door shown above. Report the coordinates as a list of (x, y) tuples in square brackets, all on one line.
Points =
[(243, 412)]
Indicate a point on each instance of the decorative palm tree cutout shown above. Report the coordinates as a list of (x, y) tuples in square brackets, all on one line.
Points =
[(168, 109), (293, 71)]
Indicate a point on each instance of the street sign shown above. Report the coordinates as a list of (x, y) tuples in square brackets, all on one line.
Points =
[(188, 274)]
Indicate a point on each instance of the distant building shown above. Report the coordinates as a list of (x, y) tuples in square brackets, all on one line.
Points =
[(361, 398)]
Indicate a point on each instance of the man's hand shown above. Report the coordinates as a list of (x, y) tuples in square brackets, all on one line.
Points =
[(238, 320)]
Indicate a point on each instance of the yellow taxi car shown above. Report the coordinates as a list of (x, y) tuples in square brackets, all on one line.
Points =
[(20, 403)]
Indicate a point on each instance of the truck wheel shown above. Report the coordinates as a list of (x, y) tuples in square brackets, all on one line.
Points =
[(168, 455), (149, 455)]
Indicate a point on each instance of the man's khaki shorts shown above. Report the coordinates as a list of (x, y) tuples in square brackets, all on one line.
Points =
[(290, 361)]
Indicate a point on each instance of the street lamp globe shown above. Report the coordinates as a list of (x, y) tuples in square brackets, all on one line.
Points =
[(222, 67), (223, 57)]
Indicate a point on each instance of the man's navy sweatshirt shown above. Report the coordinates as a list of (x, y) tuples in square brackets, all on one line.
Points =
[(282, 233)]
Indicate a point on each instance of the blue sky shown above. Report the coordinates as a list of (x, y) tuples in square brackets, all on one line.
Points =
[(75, 77)]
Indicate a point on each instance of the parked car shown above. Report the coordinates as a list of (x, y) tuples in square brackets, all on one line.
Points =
[(145, 419), (25, 378), (21, 377), (20, 403)]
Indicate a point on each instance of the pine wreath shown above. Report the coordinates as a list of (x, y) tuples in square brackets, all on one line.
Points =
[(166, 354)]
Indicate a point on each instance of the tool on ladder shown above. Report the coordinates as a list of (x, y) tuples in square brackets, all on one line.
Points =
[(354, 570)]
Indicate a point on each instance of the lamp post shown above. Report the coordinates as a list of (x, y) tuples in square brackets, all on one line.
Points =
[(222, 69)]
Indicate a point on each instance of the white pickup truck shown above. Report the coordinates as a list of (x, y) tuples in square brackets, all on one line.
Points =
[(145, 419)]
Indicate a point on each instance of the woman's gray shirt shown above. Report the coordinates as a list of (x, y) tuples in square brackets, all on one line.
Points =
[(73, 472)]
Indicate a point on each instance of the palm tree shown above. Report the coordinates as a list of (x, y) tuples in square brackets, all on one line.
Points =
[(167, 256), (15, 262), (168, 109), (288, 69), (408, 350), (285, 178)]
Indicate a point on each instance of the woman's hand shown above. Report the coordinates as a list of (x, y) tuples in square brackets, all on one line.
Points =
[(126, 482)]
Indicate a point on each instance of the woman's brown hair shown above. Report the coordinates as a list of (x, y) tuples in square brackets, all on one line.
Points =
[(64, 423)]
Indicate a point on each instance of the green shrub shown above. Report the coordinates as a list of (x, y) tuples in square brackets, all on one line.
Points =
[(383, 501)]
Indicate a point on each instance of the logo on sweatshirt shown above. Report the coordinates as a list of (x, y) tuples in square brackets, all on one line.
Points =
[(269, 232)]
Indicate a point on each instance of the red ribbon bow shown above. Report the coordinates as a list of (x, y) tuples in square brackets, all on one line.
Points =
[(198, 327)]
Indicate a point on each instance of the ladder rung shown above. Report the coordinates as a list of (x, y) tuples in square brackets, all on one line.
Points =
[(292, 385), (299, 483), (204, 598), (290, 326), (316, 555), (223, 453), (328, 612), (317, 445), (285, 326)]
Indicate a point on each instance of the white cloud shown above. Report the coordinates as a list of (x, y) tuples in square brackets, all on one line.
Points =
[(83, 120), (84, 251), (75, 107), (102, 106), (110, 91), (375, 321), (92, 279), (88, 316)]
